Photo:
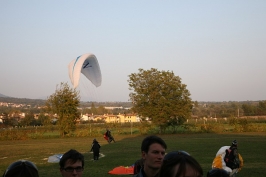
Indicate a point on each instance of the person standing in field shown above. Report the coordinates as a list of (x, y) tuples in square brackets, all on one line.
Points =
[(152, 151), (95, 148), (71, 164)]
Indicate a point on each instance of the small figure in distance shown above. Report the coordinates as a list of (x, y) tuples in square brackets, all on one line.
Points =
[(216, 172), (72, 164), (152, 152), (180, 164), (21, 168), (95, 148), (109, 136)]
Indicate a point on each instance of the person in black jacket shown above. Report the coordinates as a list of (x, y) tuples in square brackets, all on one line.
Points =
[(95, 148)]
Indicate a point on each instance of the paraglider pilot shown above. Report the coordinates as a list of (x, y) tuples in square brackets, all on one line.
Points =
[(108, 136), (232, 157), (229, 159)]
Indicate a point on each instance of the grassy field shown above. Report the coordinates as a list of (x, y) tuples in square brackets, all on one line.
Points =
[(252, 147)]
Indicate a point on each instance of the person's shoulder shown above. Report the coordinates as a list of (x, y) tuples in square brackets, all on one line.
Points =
[(137, 175), (140, 174)]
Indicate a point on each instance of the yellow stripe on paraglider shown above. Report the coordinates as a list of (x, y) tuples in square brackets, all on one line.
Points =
[(241, 162), (217, 162)]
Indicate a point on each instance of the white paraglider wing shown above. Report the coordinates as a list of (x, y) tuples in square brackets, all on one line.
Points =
[(88, 65), (70, 70)]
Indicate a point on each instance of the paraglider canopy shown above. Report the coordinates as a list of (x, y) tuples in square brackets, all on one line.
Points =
[(121, 170), (88, 65)]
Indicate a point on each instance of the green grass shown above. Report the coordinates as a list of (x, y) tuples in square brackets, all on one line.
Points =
[(252, 147)]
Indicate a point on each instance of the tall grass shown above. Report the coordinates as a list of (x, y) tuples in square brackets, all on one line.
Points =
[(98, 129), (126, 151)]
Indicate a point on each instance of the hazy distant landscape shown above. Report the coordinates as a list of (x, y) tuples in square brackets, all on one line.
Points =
[(8, 99), (40, 102), (1, 95)]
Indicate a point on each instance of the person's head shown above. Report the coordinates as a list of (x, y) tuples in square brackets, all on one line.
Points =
[(234, 144), (71, 162), (153, 151), (149, 140), (216, 172), (21, 168), (180, 164)]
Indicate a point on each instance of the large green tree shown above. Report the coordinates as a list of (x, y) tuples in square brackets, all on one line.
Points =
[(64, 103), (160, 96)]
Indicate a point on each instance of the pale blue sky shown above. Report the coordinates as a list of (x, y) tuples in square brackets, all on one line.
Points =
[(217, 47)]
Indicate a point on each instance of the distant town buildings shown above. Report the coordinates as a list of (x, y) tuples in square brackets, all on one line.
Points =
[(108, 118)]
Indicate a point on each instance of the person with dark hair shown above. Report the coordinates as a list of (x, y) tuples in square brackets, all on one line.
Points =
[(216, 172), (152, 151), (95, 148), (21, 168), (180, 164), (72, 164)]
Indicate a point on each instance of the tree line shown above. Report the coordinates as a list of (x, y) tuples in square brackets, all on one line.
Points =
[(229, 109), (156, 96)]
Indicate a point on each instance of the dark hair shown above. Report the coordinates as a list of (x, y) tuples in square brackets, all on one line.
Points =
[(73, 155), (216, 172), (234, 144), (21, 168), (149, 140), (182, 158)]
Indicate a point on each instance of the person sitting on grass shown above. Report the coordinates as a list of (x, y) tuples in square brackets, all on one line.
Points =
[(95, 148)]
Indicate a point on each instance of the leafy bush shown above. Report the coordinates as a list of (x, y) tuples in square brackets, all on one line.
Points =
[(212, 128)]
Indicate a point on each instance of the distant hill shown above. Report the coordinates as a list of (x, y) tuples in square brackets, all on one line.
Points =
[(4, 96), (41, 102), (27, 101)]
